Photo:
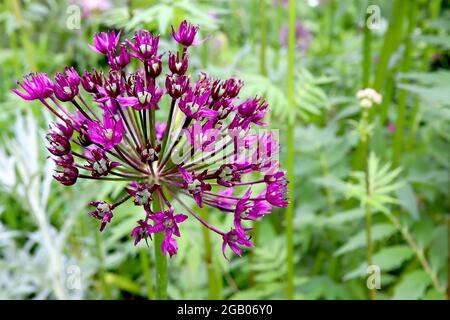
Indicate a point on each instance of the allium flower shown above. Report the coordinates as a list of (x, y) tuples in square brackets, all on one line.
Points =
[(105, 42), (36, 86), (206, 150), (185, 34)]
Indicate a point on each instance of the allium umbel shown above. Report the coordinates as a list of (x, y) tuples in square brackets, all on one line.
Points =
[(207, 149)]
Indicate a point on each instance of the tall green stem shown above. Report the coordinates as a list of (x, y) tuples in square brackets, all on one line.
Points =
[(263, 33), (391, 42), (368, 213), (290, 153), (214, 287), (160, 261), (402, 98), (367, 54), (361, 151)]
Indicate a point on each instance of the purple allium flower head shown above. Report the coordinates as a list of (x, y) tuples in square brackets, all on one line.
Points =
[(118, 60), (142, 96), (36, 86), (276, 189), (185, 34), (66, 85), (234, 239), (178, 65), (144, 45), (102, 212), (91, 80), (108, 133), (98, 163), (105, 42), (141, 232), (177, 85), (303, 36), (206, 149)]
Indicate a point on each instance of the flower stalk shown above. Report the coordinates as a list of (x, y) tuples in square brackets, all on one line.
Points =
[(290, 152)]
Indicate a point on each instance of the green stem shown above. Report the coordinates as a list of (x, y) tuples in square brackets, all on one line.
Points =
[(214, 290), (263, 72), (160, 260), (391, 42), (145, 265), (366, 69), (402, 98), (368, 213), (263, 33), (367, 54), (27, 44), (290, 153), (418, 251)]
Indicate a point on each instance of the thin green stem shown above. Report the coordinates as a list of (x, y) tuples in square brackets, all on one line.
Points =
[(368, 214), (418, 251), (391, 42), (214, 290), (367, 211), (367, 54), (263, 34), (403, 95), (290, 153)]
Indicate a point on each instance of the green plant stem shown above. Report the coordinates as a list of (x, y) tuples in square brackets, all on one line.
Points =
[(263, 72), (391, 43), (214, 288), (367, 54), (403, 95), (367, 211), (145, 265), (263, 34), (160, 261), (290, 153), (368, 214), (361, 151), (418, 251), (27, 44)]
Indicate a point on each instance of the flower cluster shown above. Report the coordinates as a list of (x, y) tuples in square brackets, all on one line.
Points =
[(207, 148), (367, 97)]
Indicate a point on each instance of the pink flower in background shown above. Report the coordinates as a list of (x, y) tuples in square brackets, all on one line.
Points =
[(391, 127), (91, 7), (303, 36)]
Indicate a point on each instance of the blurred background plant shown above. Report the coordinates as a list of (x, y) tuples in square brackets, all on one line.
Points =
[(399, 177)]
